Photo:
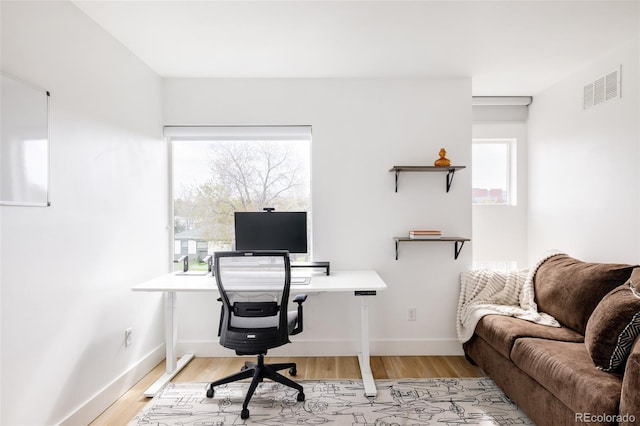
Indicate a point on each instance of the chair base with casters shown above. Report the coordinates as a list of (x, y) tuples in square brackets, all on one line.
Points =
[(259, 371)]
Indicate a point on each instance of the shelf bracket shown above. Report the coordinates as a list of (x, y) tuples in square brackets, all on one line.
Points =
[(397, 243), (397, 175), (450, 175), (457, 249)]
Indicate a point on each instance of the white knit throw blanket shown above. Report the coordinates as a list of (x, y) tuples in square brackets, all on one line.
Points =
[(484, 292)]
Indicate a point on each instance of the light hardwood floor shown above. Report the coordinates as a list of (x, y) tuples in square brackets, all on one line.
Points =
[(208, 369)]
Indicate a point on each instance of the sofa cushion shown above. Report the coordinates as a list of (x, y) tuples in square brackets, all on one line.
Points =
[(501, 332), (569, 289), (565, 369), (613, 327)]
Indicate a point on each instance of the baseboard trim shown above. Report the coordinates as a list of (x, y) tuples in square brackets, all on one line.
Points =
[(92, 408), (387, 347)]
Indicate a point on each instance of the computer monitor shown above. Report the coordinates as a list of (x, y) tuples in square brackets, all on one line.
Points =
[(271, 231)]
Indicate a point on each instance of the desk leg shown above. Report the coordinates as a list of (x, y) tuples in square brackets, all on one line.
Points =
[(173, 366), (364, 356)]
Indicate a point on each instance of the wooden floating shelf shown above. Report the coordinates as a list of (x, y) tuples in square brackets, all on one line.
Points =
[(458, 242), (450, 170)]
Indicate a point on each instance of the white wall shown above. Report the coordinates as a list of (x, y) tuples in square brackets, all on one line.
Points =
[(66, 270), (584, 184), (500, 232), (361, 128)]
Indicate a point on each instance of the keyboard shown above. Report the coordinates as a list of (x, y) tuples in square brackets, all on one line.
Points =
[(193, 273), (300, 280)]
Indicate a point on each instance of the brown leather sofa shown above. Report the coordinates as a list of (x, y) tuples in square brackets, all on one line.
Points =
[(550, 372)]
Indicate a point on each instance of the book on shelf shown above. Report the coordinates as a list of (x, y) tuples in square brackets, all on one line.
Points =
[(425, 234)]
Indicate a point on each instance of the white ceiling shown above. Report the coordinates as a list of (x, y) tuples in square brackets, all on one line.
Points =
[(507, 47)]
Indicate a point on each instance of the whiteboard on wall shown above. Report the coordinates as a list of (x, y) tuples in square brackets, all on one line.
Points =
[(24, 144)]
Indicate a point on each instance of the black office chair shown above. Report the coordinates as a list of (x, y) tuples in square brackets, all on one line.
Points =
[(254, 291)]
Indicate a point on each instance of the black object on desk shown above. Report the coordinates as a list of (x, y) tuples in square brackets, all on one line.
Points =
[(209, 260), (185, 262), (324, 265)]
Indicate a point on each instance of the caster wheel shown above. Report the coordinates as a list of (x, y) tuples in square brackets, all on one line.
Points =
[(244, 414), (210, 393), (300, 396), (293, 371)]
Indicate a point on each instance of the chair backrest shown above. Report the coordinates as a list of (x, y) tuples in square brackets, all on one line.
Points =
[(254, 288)]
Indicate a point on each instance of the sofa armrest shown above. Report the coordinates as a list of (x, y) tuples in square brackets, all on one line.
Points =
[(630, 397)]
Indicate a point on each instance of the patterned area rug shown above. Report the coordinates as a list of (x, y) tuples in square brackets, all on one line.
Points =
[(450, 402)]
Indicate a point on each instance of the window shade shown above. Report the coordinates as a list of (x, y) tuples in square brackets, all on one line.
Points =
[(238, 132)]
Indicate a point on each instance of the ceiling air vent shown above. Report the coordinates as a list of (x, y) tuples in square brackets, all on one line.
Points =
[(602, 89)]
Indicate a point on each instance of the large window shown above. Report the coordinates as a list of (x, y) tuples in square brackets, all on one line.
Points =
[(219, 170), (493, 175)]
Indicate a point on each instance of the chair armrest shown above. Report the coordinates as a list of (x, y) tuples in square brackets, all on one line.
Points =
[(299, 299), (221, 317), (630, 397)]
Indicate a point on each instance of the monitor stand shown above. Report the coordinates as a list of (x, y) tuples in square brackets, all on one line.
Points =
[(324, 265)]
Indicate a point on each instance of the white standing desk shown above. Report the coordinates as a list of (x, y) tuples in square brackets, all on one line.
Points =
[(359, 283)]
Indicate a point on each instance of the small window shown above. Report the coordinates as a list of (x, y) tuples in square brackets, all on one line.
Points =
[(493, 172)]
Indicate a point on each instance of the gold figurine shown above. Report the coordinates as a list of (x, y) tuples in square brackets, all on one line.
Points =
[(442, 161)]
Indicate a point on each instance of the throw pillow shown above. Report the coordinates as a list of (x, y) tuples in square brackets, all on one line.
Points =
[(613, 327), (634, 280), (569, 289)]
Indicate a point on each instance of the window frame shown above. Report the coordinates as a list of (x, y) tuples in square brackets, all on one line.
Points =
[(177, 134), (511, 168)]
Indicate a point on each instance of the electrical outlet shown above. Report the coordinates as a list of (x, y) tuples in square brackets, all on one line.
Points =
[(411, 314), (127, 336)]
